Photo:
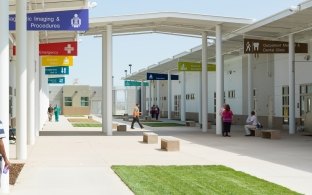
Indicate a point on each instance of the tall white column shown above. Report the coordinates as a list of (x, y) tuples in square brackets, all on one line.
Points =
[(291, 70), (31, 88), (37, 89), (220, 79), (183, 97), (153, 92), (200, 110), (143, 100), (158, 93), (21, 84), (4, 83), (107, 82), (204, 82), (150, 96), (169, 95), (250, 84)]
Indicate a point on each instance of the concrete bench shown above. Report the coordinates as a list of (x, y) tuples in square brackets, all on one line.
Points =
[(121, 127), (150, 138), (170, 144), (255, 132), (190, 123), (271, 134)]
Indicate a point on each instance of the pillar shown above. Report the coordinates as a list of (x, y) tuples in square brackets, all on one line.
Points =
[(204, 82), (169, 95), (291, 70), (219, 79)]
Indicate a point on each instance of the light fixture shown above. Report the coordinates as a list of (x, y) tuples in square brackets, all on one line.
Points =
[(92, 4)]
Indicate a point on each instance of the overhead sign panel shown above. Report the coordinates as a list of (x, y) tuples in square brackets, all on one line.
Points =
[(193, 66), (70, 20), (57, 70), (174, 77), (256, 46), (156, 76), (56, 80), (57, 60), (58, 49), (135, 83)]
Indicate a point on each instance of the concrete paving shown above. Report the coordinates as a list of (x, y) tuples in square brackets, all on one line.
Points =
[(77, 160)]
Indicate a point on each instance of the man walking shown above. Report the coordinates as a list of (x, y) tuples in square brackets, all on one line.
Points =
[(136, 113)]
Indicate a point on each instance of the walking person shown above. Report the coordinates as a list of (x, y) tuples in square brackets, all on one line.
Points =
[(251, 123), (50, 112), (227, 117), (57, 111), (157, 111), (3, 156), (136, 113)]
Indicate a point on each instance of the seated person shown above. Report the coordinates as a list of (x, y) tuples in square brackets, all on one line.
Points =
[(251, 123)]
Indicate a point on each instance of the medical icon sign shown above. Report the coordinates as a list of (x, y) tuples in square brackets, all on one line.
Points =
[(70, 20)]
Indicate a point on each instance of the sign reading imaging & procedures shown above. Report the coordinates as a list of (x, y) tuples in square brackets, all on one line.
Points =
[(255, 46), (69, 20), (57, 60), (58, 49), (56, 80), (135, 83), (63, 70), (193, 66)]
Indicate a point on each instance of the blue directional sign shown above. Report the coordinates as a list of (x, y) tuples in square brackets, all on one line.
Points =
[(57, 70), (157, 76), (56, 80), (70, 20)]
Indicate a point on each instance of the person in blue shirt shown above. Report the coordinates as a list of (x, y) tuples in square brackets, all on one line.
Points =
[(7, 163)]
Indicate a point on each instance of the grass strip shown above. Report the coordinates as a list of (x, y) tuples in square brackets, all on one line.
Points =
[(163, 124), (176, 180), (87, 124)]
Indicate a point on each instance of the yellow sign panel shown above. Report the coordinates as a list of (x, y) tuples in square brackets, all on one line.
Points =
[(57, 60)]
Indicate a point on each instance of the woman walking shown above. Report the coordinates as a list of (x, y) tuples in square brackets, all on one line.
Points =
[(227, 116)]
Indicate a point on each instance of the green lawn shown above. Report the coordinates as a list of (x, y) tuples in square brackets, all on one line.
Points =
[(193, 180), (87, 124), (158, 124)]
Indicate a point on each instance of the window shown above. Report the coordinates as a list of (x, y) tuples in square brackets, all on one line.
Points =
[(68, 101), (231, 94), (285, 104), (84, 101)]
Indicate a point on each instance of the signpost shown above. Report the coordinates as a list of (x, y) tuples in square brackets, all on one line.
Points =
[(135, 83), (58, 49), (56, 80), (69, 20), (63, 70), (57, 61), (255, 46), (193, 66)]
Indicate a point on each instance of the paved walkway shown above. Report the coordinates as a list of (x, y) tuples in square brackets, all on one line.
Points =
[(67, 160)]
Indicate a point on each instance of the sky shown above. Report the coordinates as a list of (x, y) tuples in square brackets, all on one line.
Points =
[(145, 50)]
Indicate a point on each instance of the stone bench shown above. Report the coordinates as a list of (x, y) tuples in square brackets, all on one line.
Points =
[(150, 138), (121, 127), (271, 134), (190, 123), (170, 144), (255, 132)]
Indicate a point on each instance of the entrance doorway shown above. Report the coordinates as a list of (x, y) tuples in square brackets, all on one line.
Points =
[(307, 115)]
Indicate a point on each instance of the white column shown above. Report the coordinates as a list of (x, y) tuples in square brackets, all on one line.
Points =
[(37, 89), (169, 95), (291, 70), (250, 84), (150, 97), (220, 79), (107, 82), (153, 92), (4, 83), (200, 110), (31, 88), (21, 84), (158, 93), (143, 100), (183, 97), (204, 82)]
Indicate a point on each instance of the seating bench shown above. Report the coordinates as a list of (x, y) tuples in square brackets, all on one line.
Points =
[(114, 125), (150, 138), (121, 127), (255, 132), (190, 123), (271, 134), (170, 144)]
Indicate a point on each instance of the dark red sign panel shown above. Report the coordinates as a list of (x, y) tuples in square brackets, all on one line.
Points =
[(58, 49)]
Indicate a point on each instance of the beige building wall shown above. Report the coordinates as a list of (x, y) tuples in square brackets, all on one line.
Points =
[(80, 100)]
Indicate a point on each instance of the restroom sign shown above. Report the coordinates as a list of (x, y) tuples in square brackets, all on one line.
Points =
[(256, 46)]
